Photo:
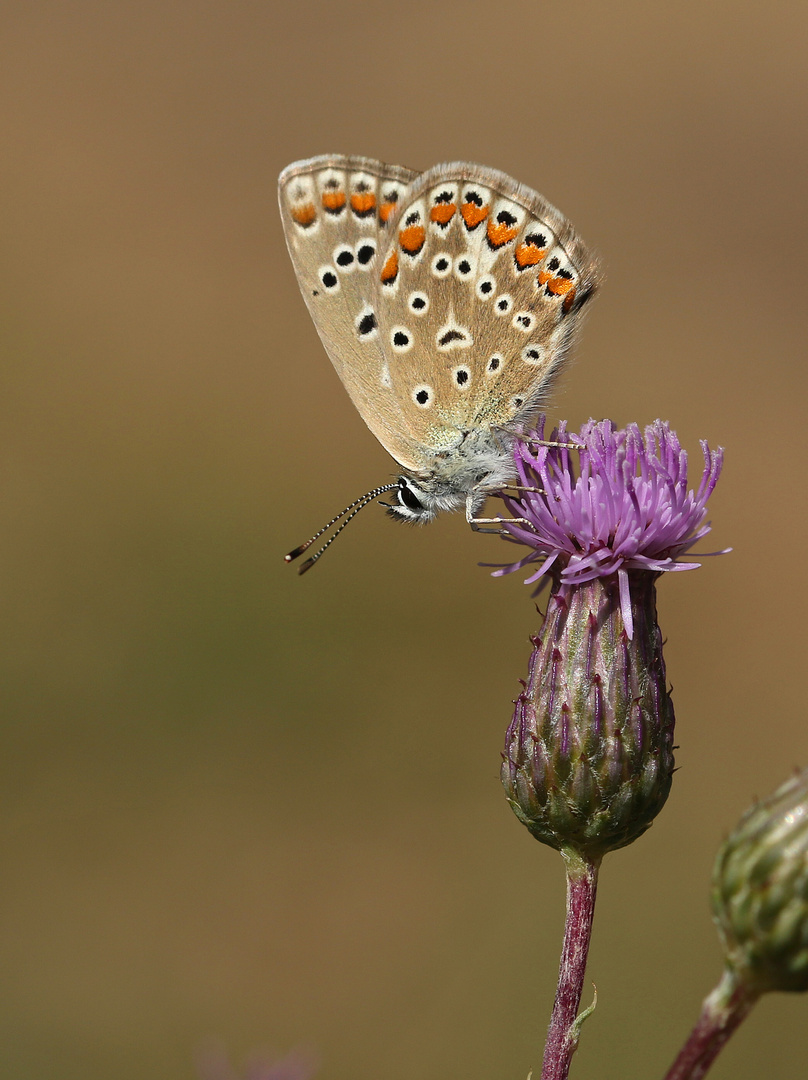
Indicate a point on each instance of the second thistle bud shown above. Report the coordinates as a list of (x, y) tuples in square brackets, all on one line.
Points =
[(589, 752), (760, 892)]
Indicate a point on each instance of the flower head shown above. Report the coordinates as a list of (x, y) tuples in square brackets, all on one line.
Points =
[(588, 755), (627, 508)]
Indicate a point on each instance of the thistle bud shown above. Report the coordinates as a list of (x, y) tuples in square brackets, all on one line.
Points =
[(589, 752), (760, 892)]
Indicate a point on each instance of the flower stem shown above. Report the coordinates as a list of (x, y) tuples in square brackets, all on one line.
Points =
[(722, 1012), (562, 1037)]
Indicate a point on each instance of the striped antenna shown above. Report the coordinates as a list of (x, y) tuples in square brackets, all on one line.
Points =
[(348, 514)]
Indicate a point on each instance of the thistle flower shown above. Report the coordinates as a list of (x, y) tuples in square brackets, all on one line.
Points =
[(760, 892), (589, 752), (629, 509)]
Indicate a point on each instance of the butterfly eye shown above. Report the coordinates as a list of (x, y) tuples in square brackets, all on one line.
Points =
[(407, 497)]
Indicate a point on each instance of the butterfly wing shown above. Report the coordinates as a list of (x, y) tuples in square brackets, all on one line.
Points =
[(482, 288), (336, 212)]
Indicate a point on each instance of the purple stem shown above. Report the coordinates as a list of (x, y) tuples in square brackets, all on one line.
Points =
[(562, 1038), (722, 1012)]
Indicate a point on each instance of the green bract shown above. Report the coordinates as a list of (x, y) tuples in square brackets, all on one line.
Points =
[(760, 892), (589, 753)]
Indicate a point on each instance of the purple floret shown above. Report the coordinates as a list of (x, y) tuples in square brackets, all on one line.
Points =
[(627, 507)]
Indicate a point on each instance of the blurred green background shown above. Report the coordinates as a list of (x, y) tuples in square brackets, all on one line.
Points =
[(242, 806)]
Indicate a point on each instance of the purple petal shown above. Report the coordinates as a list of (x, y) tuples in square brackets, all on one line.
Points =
[(626, 506)]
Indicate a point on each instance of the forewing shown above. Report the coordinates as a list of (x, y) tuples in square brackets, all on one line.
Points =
[(482, 288), (337, 212)]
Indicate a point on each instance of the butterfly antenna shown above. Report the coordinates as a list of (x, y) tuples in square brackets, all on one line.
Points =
[(351, 511)]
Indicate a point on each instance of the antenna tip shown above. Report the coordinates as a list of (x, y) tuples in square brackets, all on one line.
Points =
[(293, 554)]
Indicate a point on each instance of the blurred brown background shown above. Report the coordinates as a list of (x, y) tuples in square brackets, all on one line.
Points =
[(247, 807)]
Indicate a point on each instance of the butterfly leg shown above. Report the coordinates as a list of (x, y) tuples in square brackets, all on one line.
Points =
[(477, 523), (559, 445), (521, 487)]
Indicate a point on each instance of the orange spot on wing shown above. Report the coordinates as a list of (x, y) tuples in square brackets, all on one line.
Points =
[(568, 300), (473, 214), (304, 215), (385, 210), (559, 285), (412, 238), (363, 202), (333, 201), (390, 269), (499, 233), (528, 255), (544, 277), (442, 213)]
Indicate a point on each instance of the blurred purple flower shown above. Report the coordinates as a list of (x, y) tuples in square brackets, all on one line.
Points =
[(627, 508), (214, 1064)]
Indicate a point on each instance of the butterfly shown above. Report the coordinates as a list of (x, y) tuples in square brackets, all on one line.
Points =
[(446, 301)]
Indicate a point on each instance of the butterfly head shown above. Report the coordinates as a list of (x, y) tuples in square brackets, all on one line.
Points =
[(413, 502), (463, 476)]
